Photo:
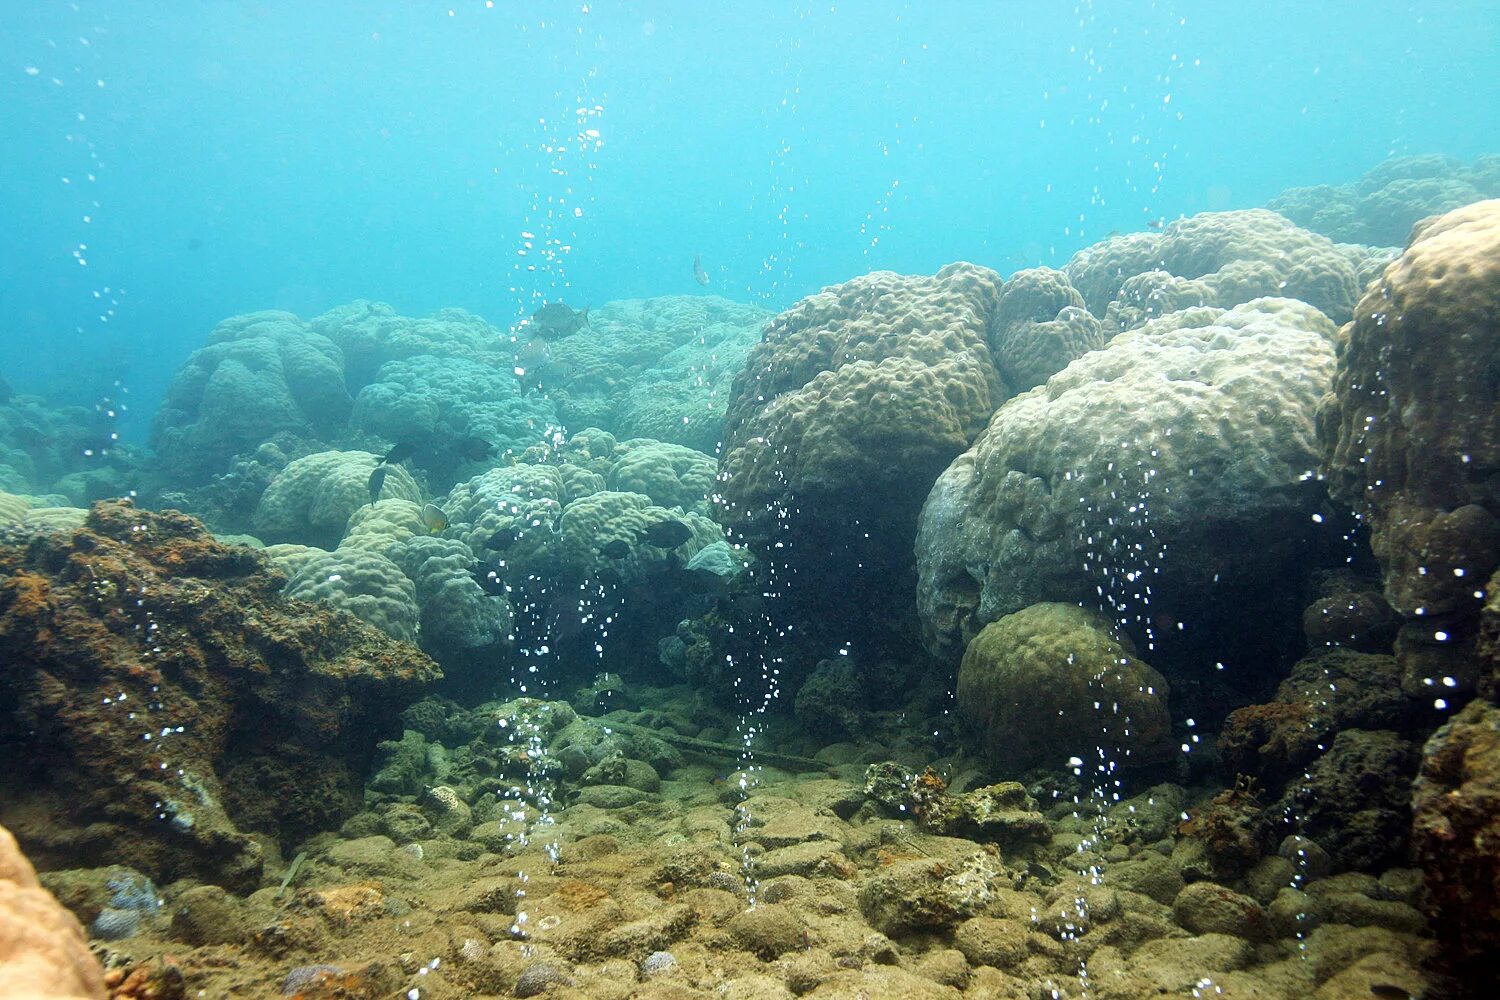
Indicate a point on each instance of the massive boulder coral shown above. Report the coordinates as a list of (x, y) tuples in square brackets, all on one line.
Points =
[(1170, 462), (659, 368), (43, 952), (311, 500), (259, 374), (165, 702), (856, 398), (1382, 206), (1412, 429), (1040, 325), (370, 334), (672, 475), (1214, 259), (364, 583), (1049, 683), (442, 401), (455, 613)]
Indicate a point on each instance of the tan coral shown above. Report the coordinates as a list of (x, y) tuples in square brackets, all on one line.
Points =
[(849, 407), (1413, 432), (43, 952)]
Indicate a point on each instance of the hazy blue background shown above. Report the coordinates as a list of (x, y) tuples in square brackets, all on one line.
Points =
[(280, 154)]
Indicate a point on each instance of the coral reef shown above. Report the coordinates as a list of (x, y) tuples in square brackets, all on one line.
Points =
[(1214, 259), (1049, 683), (166, 701), (1382, 206), (259, 374), (1191, 435), (1412, 428), (853, 402), (659, 368), (371, 334), (311, 500), (444, 401)]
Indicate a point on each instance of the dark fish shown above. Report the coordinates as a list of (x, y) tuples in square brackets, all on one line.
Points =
[(699, 275), (502, 539), (489, 581), (1039, 871), (400, 452), (1390, 991), (195, 244), (474, 449), (558, 319), (668, 533), (433, 518), (617, 549), (377, 480)]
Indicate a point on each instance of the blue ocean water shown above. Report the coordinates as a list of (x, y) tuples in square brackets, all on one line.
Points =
[(172, 164)]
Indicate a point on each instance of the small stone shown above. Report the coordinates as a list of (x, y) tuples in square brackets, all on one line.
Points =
[(1207, 908), (769, 931)]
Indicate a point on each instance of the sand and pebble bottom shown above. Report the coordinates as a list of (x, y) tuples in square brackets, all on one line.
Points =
[(639, 889)]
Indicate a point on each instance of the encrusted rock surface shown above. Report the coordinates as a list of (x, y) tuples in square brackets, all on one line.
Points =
[(166, 702)]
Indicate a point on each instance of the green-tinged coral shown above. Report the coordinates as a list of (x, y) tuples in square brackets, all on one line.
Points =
[(672, 475), (1041, 324), (372, 334), (365, 584), (1197, 424), (442, 401), (1049, 683), (12, 508), (378, 526), (853, 402), (259, 374), (55, 518), (573, 553), (312, 499), (1217, 259), (1382, 206), (657, 368), (455, 612), (524, 499)]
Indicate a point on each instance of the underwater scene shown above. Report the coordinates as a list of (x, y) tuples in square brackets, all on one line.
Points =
[(622, 499)]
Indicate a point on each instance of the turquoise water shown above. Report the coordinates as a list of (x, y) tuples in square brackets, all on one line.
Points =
[(277, 155)]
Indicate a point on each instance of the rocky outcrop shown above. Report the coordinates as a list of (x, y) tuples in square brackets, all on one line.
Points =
[(165, 702)]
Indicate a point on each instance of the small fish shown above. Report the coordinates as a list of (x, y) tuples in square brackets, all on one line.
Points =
[(1157, 223), (1039, 871), (668, 533), (502, 539), (377, 481), (1390, 991), (433, 518), (699, 275), (475, 449), (558, 319), (617, 549), (195, 244), (400, 452), (489, 581)]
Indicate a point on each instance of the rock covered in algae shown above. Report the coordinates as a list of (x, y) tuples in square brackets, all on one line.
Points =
[(1412, 428), (170, 702), (1456, 836), (1049, 683)]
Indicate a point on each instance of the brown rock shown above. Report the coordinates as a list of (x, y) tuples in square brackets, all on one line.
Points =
[(169, 701)]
